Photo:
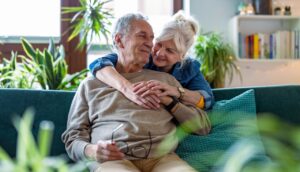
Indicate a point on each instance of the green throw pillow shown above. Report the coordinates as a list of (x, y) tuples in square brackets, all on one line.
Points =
[(231, 121)]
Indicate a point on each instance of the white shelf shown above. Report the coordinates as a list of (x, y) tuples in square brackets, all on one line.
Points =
[(266, 60), (249, 25), (260, 72), (267, 17)]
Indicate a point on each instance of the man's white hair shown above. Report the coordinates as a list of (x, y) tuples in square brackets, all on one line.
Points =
[(123, 24)]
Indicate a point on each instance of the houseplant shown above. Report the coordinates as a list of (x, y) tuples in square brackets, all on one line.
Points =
[(281, 147), (49, 67), (90, 19), (33, 156), (13, 74), (38, 69), (217, 59)]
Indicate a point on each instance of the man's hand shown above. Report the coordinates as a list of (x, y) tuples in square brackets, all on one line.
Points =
[(135, 92), (103, 151), (165, 89), (166, 100)]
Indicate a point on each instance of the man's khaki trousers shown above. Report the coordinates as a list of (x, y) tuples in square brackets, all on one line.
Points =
[(167, 163)]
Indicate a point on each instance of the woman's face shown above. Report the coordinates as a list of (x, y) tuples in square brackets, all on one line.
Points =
[(165, 55)]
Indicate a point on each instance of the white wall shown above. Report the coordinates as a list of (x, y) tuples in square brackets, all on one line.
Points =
[(214, 15), (263, 72)]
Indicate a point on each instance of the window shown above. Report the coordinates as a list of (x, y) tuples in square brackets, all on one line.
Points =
[(37, 20)]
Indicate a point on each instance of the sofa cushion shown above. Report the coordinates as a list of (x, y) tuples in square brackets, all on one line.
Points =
[(280, 100), (231, 120)]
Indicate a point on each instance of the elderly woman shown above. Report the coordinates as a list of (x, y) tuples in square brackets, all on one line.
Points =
[(168, 55)]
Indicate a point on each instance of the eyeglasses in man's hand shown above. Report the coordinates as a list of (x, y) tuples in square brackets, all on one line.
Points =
[(142, 151)]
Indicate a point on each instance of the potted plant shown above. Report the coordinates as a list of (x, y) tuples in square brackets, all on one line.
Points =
[(217, 59), (13, 75), (49, 67), (38, 69), (90, 19)]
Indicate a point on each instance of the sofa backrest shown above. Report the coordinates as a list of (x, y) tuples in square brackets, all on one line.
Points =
[(283, 101), (49, 105)]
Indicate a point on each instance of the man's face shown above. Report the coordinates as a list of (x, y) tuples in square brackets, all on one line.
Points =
[(139, 42)]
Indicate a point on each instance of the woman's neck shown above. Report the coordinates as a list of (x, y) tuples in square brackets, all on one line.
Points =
[(166, 69)]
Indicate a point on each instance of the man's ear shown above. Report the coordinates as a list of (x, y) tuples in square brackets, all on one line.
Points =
[(118, 40)]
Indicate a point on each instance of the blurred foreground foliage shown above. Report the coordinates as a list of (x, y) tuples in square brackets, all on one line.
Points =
[(33, 156)]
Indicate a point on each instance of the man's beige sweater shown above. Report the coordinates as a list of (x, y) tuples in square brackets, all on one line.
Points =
[(98, 109)]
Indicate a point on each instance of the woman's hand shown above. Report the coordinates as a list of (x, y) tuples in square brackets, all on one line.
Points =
[(135, 91), (165, 89)]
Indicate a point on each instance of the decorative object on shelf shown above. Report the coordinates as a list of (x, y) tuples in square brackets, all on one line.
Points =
[(287, 11), (242, 8), (250, 9), (262, 7), (277, 11), (217, 59), (284, 7)]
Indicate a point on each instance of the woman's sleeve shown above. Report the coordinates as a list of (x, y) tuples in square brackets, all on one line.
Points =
[(98, 64), (191, 119), (198, 82)]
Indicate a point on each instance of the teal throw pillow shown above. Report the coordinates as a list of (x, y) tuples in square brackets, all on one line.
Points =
[(231, 121)]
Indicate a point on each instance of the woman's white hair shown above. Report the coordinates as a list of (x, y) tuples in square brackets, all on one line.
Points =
[(182, 30)]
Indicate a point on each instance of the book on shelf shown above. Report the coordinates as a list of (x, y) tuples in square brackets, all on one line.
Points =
[(281, 44), (256, 46)]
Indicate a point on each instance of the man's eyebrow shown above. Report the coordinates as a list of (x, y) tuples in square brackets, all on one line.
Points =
[(145, 33)]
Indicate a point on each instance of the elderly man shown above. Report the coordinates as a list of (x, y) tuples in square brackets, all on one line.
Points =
[(114, 133)]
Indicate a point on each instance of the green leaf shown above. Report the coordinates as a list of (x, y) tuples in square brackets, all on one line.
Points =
[(45, 137), (28, 49), (72, 77), (39, 60), (51, 47), (76, 30), (76, 17), (61, 52), (49, 67), (26, 148), (4, 156), (66, 10), (13, 58)]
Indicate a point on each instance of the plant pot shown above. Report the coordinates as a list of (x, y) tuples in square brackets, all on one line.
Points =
[(262, 7), (216, 84)]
